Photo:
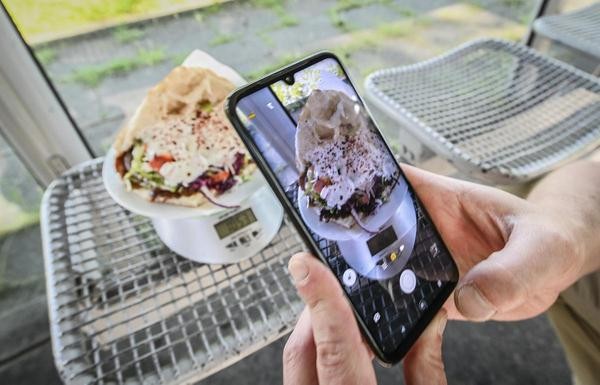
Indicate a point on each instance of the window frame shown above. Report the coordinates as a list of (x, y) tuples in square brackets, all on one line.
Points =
[(33, 118)]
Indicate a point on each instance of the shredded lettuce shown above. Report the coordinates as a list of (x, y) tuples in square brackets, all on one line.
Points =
[(137, 174), (244, 175), (205, 106), (313, 194)]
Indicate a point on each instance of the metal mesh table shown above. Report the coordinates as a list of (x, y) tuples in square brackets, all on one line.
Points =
[(124, 309), (579, 29), (498, 110)]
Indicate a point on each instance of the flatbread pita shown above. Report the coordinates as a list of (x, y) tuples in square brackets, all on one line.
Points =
[(177, 95)]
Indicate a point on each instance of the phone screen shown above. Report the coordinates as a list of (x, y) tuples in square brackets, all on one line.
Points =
[(338, 174)]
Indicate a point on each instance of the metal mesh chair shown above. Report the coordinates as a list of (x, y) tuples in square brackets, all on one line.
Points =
[(579, 29), (498, 110), (124, 309)]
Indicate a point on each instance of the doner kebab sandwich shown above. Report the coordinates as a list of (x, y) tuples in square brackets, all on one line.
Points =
[(345, 168), (179, 147)]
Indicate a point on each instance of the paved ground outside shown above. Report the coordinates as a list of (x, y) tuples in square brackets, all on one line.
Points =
[(102, 76)]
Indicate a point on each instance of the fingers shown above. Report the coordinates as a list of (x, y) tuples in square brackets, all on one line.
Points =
[(323, 296), (500, 258), (472, 219), (451, 310), (437, 190), (423, 364), (341, 357), (516, 277), (495, 285), (421, 179), (299, 355), (433, 190)]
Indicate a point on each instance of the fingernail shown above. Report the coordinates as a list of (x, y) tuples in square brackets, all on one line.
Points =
[(298, 270), (473, 305)]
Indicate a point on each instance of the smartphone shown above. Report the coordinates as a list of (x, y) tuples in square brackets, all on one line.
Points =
[(320, 150)]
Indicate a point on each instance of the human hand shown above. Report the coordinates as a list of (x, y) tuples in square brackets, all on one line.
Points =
[(514, 257), (326, 346)]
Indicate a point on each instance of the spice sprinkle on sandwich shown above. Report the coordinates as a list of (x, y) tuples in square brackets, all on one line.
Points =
[(346, 171)]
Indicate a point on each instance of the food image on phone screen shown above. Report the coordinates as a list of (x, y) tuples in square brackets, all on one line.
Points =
[(339, 176)]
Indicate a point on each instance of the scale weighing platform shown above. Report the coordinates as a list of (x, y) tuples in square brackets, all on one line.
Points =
[(227, 237)]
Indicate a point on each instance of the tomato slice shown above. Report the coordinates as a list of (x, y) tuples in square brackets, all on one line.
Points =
[(159, 160), (220, 176), (321, 183)]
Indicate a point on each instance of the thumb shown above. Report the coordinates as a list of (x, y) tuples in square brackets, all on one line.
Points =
[(499, 286), (423, 364), (341, 356)]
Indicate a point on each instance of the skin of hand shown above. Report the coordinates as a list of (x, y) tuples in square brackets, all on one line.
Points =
[(514, 257)]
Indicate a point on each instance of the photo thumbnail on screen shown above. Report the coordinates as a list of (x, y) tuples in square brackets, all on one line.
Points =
[(346, 186)]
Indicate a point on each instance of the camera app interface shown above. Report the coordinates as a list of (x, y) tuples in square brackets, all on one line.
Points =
[(339, 175)]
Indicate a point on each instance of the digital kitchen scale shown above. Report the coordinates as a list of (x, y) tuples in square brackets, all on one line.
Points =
[(383, 255), (225, 237), (208, 234)]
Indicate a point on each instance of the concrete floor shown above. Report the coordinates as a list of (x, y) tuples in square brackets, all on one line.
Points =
[(517, 353), (525, 352), (492, 353)]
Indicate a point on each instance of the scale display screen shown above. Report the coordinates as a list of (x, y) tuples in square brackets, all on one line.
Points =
[(382, 240), (234, 223)]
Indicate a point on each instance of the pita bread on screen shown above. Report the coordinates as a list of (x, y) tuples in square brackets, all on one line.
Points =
[(341, 157)]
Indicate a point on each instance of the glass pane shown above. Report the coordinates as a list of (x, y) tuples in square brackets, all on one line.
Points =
[(104, 55), (579, 59), (23, 316)]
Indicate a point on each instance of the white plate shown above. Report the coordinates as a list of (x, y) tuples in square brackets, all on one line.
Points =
[(137, 204), (201, 59), (336, 232)]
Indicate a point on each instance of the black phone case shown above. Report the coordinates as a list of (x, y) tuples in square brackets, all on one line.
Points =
[(387, 359)]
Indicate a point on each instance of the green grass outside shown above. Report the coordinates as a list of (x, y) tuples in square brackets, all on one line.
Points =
[(124, 34), (336, 13), (220, 39), (93, 75), (46, 55), (37, 18), (286, 19), (15, 216)]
